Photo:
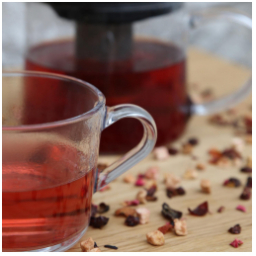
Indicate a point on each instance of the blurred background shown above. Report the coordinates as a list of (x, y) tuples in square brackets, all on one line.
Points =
[(218, 38)]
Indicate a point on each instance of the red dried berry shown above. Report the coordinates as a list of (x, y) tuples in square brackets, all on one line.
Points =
[(167, 227), (98, 222), (232, 182), (200, 210), (102, 208), (235, 230), (173, 151), (140, 182), (132, 221), (236, 243), (221, 209), (246, 170), (246, 194)]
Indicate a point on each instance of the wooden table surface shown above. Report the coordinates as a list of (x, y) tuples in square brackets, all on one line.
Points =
[(208, 233)]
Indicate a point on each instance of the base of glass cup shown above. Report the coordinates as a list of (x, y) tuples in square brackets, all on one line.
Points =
[(62, 246)]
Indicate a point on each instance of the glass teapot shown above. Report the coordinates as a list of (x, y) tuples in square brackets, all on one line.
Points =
[(119, 48)]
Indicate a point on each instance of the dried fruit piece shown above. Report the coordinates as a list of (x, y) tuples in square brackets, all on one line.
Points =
[(155, 238), (241, 208), (200, 210), (110, 246), (125, 211), (151, 194), (170, 213), (221, 209), (193, 141), (141, 196), (246, 194), (180, 227), (132, 221), (102, 208), (246, 170), (161, 153), (95, 250), (235, 230), (206, 186), (87, 245), (132, 202), (98, 222), (129, 178), (187, 148), (200, 166), (190, 174), (171, 181), (167, 227), (173, 151), (150, 183), (143, 214), (249, 182), (236, 243), (152, 173), (139, 182), (232, 182), (175, 192)]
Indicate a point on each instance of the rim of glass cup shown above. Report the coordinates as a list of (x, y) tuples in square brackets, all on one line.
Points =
[(85, 115)]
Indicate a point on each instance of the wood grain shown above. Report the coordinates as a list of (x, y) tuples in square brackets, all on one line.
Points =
[(208, 233)]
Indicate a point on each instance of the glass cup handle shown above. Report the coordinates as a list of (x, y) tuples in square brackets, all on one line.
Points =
[(113, 114), (234, 98)]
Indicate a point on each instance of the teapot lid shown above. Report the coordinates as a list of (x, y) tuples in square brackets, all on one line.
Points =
[(112, 12)]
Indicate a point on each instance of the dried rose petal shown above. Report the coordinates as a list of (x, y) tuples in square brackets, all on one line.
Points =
[(140, 182), (200, 210), (232, 182), (236, 243), (221, 209), (170, 213), (98, 222), (94, 208), (246, 194), (241, 208), (132, 221), (167, 227), (102, 208), (173, 151), (249, 182), (193, 141), (132, 202), (235, 230), (246, 169)]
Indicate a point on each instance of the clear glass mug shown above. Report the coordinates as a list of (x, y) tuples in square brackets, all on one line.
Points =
[(49, 158), (140, 59)]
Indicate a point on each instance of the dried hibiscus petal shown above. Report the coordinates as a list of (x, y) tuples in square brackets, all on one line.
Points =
[(98, 222), (102, 208), (151, 191), (132, 221), (241, 208), (170, 213), (235, 230), (232, 182), (175, 191), (167, 227), (139, 182), (246, 194), (236, 243), (200, 210)]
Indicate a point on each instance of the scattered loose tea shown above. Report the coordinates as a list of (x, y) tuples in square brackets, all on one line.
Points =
[(180, 227), (205, 186), (236, 243), (143, 214), (141, 196), (167, 227), (132, 221), (170, 213), (246, 194), (87, 244), (161, 153), (173, 151), (249, 182), (98, 222), (125, 211), (235, 230), (246, 169), (193, 141), (102, 208), (200, 210), (155, 238), (221, 209), (241, 208), (110, 246), (129, 178), (190, 174), (232, 182)]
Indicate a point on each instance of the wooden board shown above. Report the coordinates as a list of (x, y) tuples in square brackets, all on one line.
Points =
[(208, 233)]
